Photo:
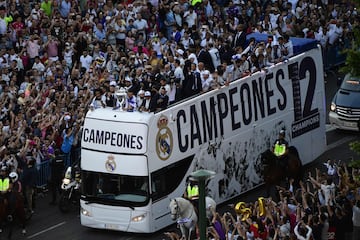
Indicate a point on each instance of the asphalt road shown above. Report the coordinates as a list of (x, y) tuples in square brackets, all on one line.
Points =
[(49, 223)]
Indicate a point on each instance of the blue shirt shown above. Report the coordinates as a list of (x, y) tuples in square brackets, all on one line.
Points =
[(64, 9), (67, 142), (99, 34)]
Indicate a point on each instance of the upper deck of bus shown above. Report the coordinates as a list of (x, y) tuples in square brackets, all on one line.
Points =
[(300, 46)]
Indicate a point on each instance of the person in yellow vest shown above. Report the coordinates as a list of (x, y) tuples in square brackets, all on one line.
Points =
[(4, 185), (4, 180), (192, 192), (280, 147), (195, 2)]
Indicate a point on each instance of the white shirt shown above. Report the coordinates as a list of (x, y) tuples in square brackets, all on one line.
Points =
[(179, 74), (39, 66), (215, 57), (335, 33), (329, 193), (86, 61), (190, 18), (141, 24)]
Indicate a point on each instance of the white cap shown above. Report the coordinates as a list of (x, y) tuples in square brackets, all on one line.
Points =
[(141, 92), (180, 51), (147, 94), (67, 117), (206, 72), (21, 91), (113, 83)]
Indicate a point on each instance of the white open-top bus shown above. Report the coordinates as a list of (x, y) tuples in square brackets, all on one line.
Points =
[(133, 163)]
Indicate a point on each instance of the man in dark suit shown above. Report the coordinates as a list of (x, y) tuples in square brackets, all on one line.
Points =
[(205, 57), (240, 37), (192, 82)]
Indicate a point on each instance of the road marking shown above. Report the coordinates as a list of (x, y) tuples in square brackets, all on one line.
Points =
[(46, 230)]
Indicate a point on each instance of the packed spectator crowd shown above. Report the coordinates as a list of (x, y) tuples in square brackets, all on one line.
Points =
[(326, 206), (60, 58)]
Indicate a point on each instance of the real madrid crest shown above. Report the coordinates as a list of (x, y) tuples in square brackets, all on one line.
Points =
[(164, 138), (110, 163)]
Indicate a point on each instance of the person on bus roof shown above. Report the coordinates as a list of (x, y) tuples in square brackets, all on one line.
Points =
[(281, 145)]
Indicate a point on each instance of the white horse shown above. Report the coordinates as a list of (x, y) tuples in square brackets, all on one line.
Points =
[(183, 211)]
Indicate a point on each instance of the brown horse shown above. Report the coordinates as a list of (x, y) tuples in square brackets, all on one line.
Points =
[(9, 216), (276, 169)]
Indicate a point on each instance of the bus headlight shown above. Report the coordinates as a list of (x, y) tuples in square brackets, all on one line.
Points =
[(86, 212), (138, 218), (333, 107), (66, 181)]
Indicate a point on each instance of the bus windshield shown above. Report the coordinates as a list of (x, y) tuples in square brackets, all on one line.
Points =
[(115, 189)]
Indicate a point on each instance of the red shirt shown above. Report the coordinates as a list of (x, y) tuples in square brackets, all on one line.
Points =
[(18, 26), (257, 234)]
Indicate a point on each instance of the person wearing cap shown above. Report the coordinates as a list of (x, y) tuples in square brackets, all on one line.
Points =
[(111, 99), (192, 192), (128, 82), (140, 98), (21, 97), (206, 81), (146, 103), (280, 146)]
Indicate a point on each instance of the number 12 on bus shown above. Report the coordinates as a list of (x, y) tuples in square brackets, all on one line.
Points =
[(133, 163)]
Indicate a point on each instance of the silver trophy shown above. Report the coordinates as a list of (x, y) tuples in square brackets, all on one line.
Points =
[(121, 96)]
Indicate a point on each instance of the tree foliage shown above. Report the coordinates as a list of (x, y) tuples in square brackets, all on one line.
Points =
[(353, 56), (355, 146)]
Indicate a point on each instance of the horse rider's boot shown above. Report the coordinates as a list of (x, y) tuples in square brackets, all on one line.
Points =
[(10, 218)]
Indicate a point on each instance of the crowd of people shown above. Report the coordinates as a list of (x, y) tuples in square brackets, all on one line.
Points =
[(60, 58), (325, 206)]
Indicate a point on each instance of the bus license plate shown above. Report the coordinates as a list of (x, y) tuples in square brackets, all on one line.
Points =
[(350, 124), (111, 226)]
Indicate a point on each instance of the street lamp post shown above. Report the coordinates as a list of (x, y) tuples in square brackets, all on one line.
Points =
[(201, 176)]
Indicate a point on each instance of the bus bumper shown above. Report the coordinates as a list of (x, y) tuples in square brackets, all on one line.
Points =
[(114, 218), (344, 124)]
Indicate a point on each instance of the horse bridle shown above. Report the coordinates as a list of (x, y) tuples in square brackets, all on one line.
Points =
[(177, 209), (177, 213)]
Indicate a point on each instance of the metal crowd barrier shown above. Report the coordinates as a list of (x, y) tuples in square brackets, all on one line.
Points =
[(43, 175)]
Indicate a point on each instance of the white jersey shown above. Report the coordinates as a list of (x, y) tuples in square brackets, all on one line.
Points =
[(215, 56)]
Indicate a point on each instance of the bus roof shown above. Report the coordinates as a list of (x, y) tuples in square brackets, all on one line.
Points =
[(118, 115)]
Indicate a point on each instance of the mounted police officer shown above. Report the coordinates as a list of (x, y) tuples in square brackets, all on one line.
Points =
[(192, 192), (280, 148)]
